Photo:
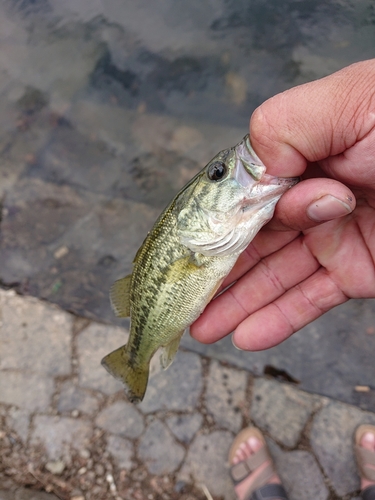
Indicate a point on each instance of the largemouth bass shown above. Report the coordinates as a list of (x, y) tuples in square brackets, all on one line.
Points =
[(192, 247)]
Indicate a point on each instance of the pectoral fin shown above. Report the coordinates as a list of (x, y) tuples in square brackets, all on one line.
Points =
[(120, 296), (181, 268), (169, 352)]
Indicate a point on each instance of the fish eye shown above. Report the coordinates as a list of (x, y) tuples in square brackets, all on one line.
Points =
[(216, 171)]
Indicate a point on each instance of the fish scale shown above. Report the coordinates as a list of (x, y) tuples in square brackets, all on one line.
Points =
[(185, 257)]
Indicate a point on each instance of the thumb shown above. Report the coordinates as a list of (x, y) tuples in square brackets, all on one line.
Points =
[(312, 202), (314, 121)]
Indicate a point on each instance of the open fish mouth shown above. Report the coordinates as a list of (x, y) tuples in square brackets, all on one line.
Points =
[(250, 173), (266, 191)]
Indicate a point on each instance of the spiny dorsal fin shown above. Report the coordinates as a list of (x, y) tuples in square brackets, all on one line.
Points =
[(120, 296)]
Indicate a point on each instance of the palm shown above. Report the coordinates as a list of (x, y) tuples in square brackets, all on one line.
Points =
[(345, 250)]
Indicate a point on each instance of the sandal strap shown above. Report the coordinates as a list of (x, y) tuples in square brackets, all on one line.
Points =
[(261, 479), (241, 470), (368, 493), (273, 492), (365, 458)]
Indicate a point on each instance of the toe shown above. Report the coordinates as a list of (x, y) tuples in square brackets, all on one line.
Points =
[(368, 441), (245, 450), (241, 453), (254, 444)]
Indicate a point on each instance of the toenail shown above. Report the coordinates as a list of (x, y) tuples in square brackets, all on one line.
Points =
[(368, 437), (253, 441)]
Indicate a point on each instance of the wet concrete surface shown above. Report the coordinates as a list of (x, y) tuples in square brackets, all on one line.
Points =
[(107, 109)]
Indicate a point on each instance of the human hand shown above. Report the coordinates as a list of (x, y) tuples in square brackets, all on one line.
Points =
[(319, 249)]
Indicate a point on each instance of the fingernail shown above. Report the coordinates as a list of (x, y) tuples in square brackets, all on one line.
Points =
[(234, 345), (327, 208)]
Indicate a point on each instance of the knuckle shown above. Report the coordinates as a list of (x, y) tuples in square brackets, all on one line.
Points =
[(262, 130)]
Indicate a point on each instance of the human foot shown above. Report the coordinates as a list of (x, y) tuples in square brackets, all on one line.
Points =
[(252, 468), (365, 454)]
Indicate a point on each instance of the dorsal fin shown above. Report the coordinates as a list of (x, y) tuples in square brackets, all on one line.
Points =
[(120, 296)]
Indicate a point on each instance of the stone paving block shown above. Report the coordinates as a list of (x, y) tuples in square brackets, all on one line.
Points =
[(93, 344), (19, 420), (121, 450), (177, 388), (74, 398), (225, 395), (207, 464), (34, 335), (121, 418), (332, 434), (60, 434), (185, 426), (29, 391), (300, 473), (158, 449), (281, 410)]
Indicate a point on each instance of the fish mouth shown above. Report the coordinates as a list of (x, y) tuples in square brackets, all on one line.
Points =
[(268, 190), (250, 173), (249, 167)]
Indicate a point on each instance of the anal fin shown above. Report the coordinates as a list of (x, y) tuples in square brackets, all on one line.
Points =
[(169, 352), (120, 296)]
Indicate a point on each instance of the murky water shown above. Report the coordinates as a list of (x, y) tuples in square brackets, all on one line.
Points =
[(108, 107), (212, 61)]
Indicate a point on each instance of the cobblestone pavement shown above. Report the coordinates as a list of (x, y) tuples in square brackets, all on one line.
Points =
[(68, 432)]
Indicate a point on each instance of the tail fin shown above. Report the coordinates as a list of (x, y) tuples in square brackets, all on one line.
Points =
[(134, 378)]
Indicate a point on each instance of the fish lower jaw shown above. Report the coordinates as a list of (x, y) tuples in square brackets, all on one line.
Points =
[(265, 205)]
